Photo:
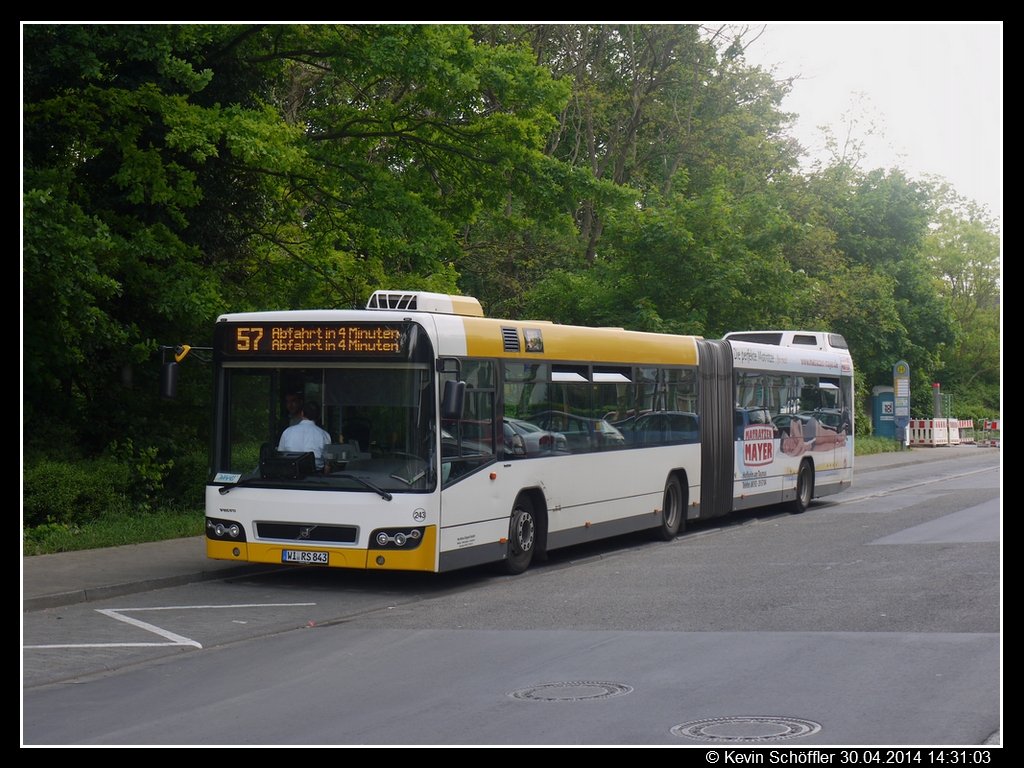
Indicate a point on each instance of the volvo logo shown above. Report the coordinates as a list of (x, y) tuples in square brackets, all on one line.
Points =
[(305, 531)]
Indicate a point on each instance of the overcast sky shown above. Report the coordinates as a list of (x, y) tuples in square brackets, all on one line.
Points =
[(936, 89)]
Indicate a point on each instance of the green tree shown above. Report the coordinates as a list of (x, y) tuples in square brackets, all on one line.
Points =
[(120, 245), (656, 114), (174, 172), (703, 264), (862, 243), (420, 133), (963, 247)]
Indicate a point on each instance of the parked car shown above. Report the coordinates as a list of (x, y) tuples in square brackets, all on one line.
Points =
[(532, 440), (582, 434), (664, 428)]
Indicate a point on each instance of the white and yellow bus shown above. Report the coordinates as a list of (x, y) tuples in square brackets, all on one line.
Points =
[(457, 440)]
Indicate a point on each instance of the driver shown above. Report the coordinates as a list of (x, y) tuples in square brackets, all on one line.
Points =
[(306, 435)]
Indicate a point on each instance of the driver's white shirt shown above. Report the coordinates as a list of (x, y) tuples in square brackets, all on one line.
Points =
[(306, 436)]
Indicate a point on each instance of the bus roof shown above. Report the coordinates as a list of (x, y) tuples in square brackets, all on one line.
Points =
[(826, 342), (461, 330)]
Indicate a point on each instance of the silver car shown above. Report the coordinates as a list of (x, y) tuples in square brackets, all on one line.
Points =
[(525, 439)]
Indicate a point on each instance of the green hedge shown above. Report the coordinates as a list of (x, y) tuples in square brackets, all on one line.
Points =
[(60, 492), (186, 480)]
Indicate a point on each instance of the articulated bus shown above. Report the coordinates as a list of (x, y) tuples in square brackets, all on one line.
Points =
[(451, 440)]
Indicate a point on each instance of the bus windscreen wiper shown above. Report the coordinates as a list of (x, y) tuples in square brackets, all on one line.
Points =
[(258, 481), (367, 484)]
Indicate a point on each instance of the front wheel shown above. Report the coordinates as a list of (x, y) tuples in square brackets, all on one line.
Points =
[(522, 537), (804, 488), (671, 510)]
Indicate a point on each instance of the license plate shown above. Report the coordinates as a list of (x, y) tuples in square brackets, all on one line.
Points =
[(302, 556)]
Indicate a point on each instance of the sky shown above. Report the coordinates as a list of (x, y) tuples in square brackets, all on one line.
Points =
[(936, 89)]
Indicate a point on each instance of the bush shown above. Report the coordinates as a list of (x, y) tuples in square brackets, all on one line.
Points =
[(68, 494), (867, 445), (145, 473), (186, 480)]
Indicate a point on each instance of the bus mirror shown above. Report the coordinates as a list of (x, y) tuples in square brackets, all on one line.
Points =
[(169, 381), (169, 371), (454, 400)]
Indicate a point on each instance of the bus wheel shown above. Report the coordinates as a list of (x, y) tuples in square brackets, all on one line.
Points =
[(804, 488), (672, 510), (522, 536)]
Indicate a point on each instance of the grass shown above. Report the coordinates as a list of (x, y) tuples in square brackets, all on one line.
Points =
[(866, 445), (113, 529)]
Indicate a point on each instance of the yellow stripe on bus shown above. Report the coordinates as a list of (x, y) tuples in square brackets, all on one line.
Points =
[(566, 342)]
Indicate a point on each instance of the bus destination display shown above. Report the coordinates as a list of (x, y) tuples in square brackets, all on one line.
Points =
[(374, 339)]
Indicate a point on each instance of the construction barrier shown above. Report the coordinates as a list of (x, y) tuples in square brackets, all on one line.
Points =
[(954, 431), (941, 432), (928, 432), (989, 435)]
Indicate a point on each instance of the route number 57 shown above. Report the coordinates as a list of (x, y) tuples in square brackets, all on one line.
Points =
[(248, 339)]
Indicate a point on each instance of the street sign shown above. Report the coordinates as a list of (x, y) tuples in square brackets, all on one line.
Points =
[(901, 391)]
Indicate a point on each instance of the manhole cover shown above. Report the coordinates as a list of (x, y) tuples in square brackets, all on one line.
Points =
[(578, 690), (746, 730)]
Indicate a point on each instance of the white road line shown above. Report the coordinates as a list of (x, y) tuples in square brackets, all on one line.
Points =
[(112, 645), (174, 639), (196, 607)]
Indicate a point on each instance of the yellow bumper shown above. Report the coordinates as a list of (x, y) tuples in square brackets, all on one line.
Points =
[(423, 558)]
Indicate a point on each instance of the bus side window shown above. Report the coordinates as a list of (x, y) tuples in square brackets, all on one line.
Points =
[(470, 442)]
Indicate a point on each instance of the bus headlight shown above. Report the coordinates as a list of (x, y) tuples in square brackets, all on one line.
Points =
[(224, 530), (395, 538)]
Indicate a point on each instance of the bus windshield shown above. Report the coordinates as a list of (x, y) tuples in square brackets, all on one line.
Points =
[(374, 427)]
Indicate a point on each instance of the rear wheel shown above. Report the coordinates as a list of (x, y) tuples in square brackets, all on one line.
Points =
[(671, 510), (804, 488), (522, 537)]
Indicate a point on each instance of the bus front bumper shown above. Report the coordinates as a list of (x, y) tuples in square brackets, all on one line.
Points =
[(422, 558)]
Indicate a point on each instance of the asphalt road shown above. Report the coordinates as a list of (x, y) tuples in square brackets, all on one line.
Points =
[(871, 619)]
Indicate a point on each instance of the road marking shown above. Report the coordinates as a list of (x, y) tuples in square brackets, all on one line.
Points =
[(172, 638)]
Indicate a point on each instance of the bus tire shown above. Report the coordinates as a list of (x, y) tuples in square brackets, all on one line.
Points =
[(522, 537), (672, 510), (804, 488)]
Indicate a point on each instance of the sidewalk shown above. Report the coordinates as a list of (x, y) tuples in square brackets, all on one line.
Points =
[(50, 581)]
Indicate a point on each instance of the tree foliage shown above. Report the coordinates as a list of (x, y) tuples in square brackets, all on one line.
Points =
[(117, 150), (173, 172), (653, 104), (963, 248)]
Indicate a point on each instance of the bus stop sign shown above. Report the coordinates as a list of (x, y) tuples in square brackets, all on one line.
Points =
[(901, 393)]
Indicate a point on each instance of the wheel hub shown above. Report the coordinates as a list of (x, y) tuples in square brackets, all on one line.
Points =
[(524, 533)]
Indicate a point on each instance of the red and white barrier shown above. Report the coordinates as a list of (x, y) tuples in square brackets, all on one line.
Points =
[(941, 432), (990, 435), (930, 432)]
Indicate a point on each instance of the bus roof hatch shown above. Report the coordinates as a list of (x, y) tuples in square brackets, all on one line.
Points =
[(421, 301)]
